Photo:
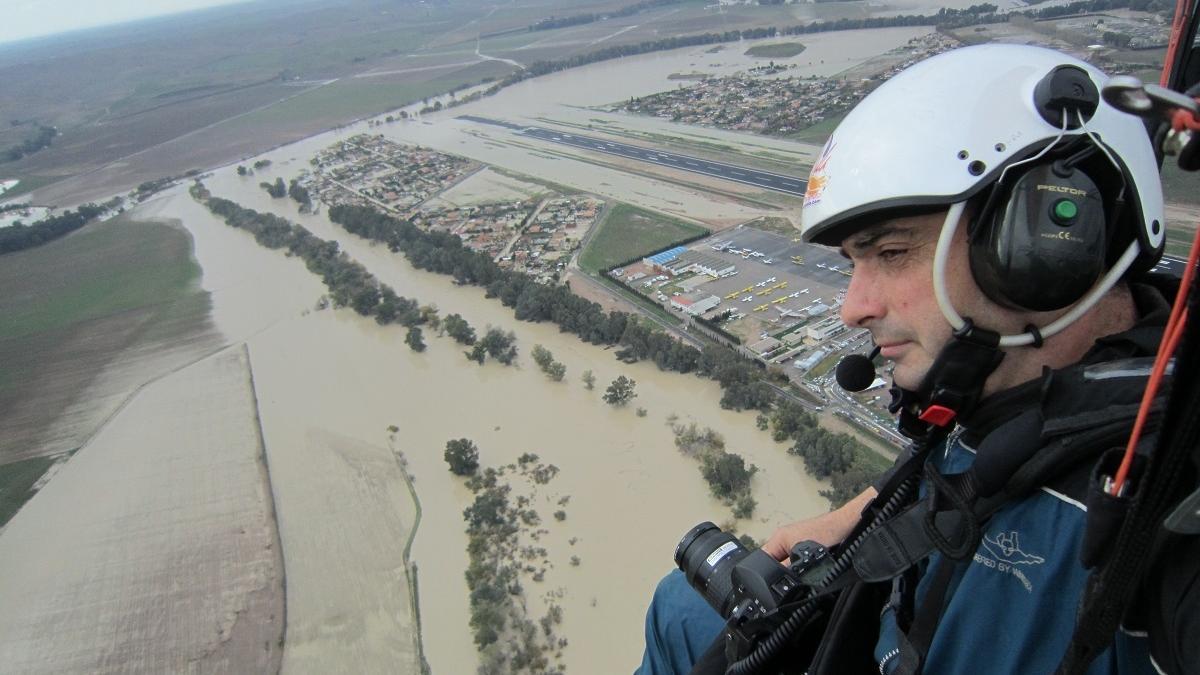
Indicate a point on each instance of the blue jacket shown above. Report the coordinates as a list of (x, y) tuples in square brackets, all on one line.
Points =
[(1026, 566)]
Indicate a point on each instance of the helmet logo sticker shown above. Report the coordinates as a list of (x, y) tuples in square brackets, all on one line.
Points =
[(817, 180)]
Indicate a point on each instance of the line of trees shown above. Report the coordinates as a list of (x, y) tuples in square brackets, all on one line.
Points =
[(944, 19), (507, 637), (41, 139), (21, 237), (544, 359), (496, 343), (457, 327), (839, 457), (727, 474), (579, 19), (743, 383), (349, 283)]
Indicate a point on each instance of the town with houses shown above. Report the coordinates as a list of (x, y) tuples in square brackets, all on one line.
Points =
[(535, 235), (765, 100)]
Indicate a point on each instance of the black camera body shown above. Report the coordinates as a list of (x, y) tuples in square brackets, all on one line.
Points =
[(749, 589)]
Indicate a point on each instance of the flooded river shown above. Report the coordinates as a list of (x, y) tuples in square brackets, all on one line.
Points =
[(333, 375)]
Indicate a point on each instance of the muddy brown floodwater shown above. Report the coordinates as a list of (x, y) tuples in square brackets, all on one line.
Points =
[(329, 383)]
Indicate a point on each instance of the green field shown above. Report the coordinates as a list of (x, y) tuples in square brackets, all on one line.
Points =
[(824, 366), (28, 183), (70, 308), (778, 50), (1179, 239), (628, 232), (16, 483), (106, 269), (1179, 186), (820, 131), (776, 225)]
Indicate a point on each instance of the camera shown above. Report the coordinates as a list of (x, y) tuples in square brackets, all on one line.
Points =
[(749, 589)]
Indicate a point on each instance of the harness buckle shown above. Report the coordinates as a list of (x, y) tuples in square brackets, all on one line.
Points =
[(938, 415)]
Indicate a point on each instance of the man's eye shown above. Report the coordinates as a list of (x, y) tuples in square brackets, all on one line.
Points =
[(892, 254)]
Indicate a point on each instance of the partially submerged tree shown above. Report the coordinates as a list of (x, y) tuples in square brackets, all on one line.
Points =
[(414, 339), (463, 456), (620, 391)]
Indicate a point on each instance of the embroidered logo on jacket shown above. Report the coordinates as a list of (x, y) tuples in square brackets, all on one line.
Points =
[(1005, 549)]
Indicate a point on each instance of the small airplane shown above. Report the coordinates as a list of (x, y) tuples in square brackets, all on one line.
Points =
[(765, 291), (795, 295), (731, 296), (768, 261), (776, 301), (770, 281), (748, 298), (761, 308), (804, 291)]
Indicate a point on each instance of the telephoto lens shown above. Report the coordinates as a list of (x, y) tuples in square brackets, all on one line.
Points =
[(707, 557)]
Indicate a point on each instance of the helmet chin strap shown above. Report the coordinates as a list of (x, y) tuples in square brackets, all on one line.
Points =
[(953, 385)]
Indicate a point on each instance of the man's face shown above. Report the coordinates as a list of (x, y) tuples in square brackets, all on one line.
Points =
[(891, 291)]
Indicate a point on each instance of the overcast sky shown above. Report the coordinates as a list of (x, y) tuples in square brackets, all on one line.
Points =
[(20, 19)]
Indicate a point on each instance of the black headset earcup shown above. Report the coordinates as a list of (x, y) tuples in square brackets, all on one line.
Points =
[(1044, 244)]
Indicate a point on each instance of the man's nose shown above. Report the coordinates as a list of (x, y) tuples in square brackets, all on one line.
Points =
[(864, 301)]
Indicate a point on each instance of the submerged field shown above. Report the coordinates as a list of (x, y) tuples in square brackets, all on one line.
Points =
[(106, 297), (154, 548)]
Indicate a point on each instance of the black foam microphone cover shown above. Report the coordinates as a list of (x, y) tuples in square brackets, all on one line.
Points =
[(856, 372)]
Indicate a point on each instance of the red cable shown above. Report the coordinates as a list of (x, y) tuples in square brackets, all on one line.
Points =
[(1181, 18), (1170, 340)]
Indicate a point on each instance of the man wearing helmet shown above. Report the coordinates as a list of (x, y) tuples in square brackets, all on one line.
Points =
[(997, 213)]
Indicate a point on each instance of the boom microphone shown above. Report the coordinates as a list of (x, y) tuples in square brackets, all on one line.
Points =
[(856, 372)]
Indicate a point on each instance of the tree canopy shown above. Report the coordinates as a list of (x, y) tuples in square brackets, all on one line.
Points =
[(463, 456), (620, 392)]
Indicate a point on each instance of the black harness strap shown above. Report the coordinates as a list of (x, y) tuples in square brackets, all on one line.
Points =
[(914, 645)]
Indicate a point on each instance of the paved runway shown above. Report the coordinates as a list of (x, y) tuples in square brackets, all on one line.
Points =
[(739, 174)]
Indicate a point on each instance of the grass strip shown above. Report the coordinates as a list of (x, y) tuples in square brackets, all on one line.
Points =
[(16, 483)]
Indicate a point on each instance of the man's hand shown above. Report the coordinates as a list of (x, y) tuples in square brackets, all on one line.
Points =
[(827, 530)]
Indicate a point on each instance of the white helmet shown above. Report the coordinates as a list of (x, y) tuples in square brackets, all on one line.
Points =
[(944, 129)]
